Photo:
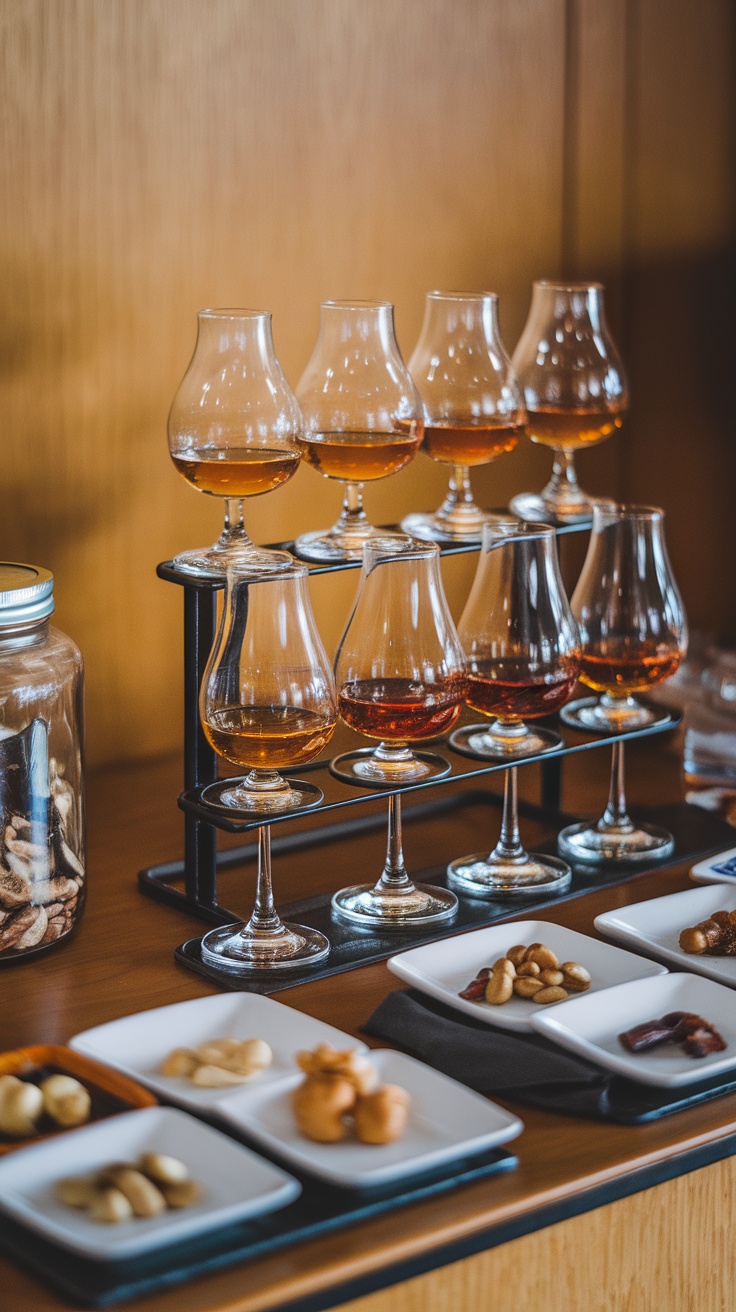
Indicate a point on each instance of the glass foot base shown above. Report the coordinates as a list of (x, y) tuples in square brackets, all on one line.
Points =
[(589, 844), (491, 876), (466, 525), (327, 546), (214, 562), (229, 948), (479, 742), (230, 796), (361, 767), (421, 904), (532, 506), (592, 716)]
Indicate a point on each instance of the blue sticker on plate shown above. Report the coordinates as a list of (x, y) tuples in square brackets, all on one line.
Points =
[(727, 868)]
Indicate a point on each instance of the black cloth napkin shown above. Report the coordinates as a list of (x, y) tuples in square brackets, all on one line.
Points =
[(525, 1068)]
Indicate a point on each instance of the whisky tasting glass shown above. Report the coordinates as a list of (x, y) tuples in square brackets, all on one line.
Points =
[(362, 416), (399, 674), (472, 404), (234, 428), (267, 701), (634, 635), (521, 643), (633, 631), (574, 390), (399, 668), (522, 657)]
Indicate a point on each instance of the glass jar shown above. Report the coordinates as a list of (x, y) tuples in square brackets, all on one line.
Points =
[(42, 855)]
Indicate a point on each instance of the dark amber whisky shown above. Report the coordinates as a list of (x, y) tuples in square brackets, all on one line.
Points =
[(626, 667), (572, 428), (401, 710), (472, 445), (236, 471), (505, 689), (360, 457), (268, 737)]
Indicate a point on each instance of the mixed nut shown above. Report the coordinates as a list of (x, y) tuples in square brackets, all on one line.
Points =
[(341, 1091), (714, 937), (124, 1190), (41, 877), (23, 1103), (532, 972), (219, 1062)]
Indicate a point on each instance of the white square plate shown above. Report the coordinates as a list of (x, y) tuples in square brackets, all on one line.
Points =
[(236, 1182), (718, 869), (138, 1044), (446, 1122), (655, 926), (443, 969), (590, 1026)]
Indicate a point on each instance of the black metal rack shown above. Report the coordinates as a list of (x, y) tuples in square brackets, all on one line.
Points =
[(202, 861)]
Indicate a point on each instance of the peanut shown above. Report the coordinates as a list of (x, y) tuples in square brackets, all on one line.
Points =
[(576, 977), (545, 958), (526, 986), (549, 994), (554, 978), (528, 968), (517, 954), (499, 988), (505, 966)]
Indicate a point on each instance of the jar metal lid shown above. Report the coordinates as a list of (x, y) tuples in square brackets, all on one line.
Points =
[(26, 593)]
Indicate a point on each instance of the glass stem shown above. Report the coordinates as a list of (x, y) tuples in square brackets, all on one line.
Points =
[(352, 516), (234, 528), (460, 489), (395, 877), (615, 816), (265, 920), (509, 846)]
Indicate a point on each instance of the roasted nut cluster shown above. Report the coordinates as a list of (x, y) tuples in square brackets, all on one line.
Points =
[(41, 883), (342, 1085), (714, 937), (219, 1062), (124, 1189), (532, 972), (22, 1104)]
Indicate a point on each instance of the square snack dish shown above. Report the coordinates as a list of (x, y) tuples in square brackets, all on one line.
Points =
[(442, 969), (446, 1122), (111, 1093), (718, 869), (654, 926), (590, 1026), (139, 1043), (236, 1183)]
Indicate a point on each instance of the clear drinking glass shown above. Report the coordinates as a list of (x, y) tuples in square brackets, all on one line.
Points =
[(633, 634), (629, 612), (522, 654), (267, 702), (399, 668), (521, 643), (574, 390), (399, 674), (362, 416), (472, 403), (267, 699), (234, 428)]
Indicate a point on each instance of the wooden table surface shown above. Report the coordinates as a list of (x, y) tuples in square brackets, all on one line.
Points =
[(121, 961)]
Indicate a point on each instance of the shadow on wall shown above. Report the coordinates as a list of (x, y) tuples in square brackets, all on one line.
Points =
[(679, 443)]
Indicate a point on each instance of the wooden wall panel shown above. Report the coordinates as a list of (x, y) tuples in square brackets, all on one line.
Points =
[(161, 155), (678, 444), (642, 1253)]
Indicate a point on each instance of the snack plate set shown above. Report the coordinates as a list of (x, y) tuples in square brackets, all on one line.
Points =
[(252, 1202)]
